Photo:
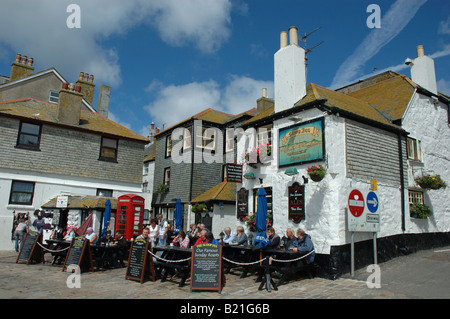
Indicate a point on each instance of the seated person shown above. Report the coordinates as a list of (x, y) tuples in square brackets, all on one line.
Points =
[(211, 239), (91, 236), (70, 234), (145, 235), (107, 239), (291, 240), (202, 239), (121, 242), (274, 239), (305, 245), (229, 236), (181, 240), (241, 238)]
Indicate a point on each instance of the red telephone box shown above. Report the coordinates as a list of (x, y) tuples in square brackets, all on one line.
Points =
[(130, 215)]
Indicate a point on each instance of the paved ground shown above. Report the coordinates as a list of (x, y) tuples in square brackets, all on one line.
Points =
[(425, 274)]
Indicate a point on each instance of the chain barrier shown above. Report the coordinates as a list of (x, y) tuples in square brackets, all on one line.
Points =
[(243, 264), (292, 260), (53, 251), (169, 261)]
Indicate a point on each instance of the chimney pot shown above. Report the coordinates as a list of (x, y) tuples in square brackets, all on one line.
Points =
[(71, 86), (18, 57), (153, 126), (86, 77), (65, 86), (91, 78), (81, 76), (30, 61), (283, 39), (420, 51), (157, 130), (293, 35), (264, 92), (24, 59), (78, 89)]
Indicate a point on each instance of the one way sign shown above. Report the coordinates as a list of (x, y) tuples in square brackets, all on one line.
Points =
[(372, 202)]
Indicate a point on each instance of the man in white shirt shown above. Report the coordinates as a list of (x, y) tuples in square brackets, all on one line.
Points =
[(229, 236)]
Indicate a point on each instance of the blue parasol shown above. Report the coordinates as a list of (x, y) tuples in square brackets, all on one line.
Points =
[(106, 218), (261, 239), (178, 216)]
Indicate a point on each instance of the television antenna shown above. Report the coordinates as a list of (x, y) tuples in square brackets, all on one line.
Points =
[(304, 40)]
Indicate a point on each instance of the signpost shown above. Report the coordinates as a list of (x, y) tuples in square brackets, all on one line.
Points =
[(360, 219)]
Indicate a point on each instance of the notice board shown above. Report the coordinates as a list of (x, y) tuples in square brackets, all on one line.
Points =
[(140, 263), (79, 254), (206, 268), (31, 251)]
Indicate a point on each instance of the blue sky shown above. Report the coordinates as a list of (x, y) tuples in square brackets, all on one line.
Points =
[(169, 59)]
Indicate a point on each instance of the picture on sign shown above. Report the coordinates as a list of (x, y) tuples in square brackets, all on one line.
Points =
[(31, 251), (234, 173), (301, 143), (296, 197), (61, 201), (79, 254), (206, 267), (140, 264)]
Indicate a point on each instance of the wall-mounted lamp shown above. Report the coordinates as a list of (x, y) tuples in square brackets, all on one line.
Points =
[(249, 176), (305, 179), (291, 171)]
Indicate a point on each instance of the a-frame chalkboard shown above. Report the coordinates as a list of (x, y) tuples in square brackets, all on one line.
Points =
[(31, 251), (140, 262), (79, 254), (207, 268)]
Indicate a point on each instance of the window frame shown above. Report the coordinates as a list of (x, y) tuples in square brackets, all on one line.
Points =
[(37, 146), (116, 150), (55, 97), (204, 142), (12, 192), (168, 146), (414, 149), (166, 177)]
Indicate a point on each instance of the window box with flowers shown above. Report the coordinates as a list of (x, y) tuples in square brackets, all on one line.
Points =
[(316, 173), (430, 182), (421, 211), (250, 221), (162, 189), (255, 155)]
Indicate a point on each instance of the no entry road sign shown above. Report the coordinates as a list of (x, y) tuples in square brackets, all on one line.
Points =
[(356, 203)]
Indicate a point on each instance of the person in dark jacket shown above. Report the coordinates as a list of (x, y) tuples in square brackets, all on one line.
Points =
[(305, 245), (274, 239)]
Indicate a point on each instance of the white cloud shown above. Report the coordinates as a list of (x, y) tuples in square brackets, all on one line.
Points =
[(38, 29), (175, 103), (392, 23), (443, 86), (444, 27)]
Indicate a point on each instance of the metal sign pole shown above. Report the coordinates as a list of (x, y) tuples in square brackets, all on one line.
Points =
[(352, 255), (375, 248)]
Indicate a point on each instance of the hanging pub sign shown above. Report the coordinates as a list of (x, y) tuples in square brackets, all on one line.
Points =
[(296, 196), (31, 251), (234, 173), (301, 143), (242, 204)]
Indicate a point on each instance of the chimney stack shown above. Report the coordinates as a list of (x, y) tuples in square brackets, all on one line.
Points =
[(423, 71), (86, 82), (290, 71), (103, 100), (21, 67), (69, 104), (263, 103)]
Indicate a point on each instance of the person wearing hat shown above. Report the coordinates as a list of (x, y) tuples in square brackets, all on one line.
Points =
[(91, 236)]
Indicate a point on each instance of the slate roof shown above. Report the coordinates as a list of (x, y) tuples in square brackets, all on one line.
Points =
[(223, 192), (41, 111)]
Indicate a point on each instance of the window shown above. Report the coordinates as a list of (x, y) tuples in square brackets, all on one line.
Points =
[(108, 149), (167, 177), (53, 97), (265, 135), (187, 138), (229, 140), (168, 145), (145, 187), (145, 171), (29, 136), (414, 150), (104, 192), (21, 193), (415, 197), (205, 138)]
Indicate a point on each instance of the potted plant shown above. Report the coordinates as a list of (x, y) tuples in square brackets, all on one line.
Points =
[(254, 155), (316, 173), (420, 211), (430, 182), (199, 208), (250, 221), (162, 189)]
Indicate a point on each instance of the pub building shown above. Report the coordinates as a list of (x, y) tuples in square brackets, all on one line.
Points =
[(373, 137)]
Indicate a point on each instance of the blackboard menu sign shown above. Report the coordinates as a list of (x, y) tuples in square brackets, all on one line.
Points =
[(234, 173), (31, 251), (79, 254), (206, 267), (296, 202), (242, 204), (140, 263)]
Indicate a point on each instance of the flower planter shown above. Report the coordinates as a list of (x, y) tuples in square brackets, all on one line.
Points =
[(316, 178)]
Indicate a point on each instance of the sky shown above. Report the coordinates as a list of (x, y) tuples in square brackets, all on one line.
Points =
[(167, 60)]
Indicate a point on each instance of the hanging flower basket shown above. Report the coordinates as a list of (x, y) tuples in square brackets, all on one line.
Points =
[(420, 211), (198, 208), (430, 182), (316, 173), (162, 189)]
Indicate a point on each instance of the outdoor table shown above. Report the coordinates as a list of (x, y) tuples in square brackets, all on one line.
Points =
[(57, 248), (169, 261), (283, 267), (247, 256), (104, 254)]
